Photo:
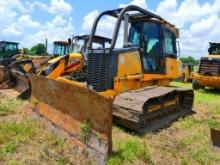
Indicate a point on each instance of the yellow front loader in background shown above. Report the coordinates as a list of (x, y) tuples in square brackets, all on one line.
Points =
[(75, 61), (67, 57), (13, 79), (187, 71), (131, 82), (13, 69), (209, 69)]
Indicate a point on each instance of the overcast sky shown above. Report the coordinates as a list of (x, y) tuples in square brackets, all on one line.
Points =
[(30, 22)]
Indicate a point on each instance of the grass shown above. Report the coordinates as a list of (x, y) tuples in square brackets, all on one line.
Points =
[(8, 106), (23, 136), (85, 131), (24, 140), (197, 127), (128, 150), (14, 134)]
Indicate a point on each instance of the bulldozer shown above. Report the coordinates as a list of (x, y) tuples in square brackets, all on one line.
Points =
[(208, 74), (128, 84)]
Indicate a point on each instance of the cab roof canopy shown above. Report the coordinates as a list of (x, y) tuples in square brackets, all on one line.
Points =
[(97, 39), (134, 13), (8, 42), (214, 48), (62, 42), (215, 43)]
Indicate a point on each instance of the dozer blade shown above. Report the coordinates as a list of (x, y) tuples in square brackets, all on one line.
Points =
[(81, 112), (151, 108)]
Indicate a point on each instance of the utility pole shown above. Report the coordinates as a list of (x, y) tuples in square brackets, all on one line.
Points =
[(46, 44)]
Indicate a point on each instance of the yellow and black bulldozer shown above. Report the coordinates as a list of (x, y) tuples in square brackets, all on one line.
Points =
[(208, 74), (130, 83)]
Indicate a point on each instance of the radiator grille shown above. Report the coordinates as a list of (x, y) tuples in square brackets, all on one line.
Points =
[(97, 70), (209, 67)]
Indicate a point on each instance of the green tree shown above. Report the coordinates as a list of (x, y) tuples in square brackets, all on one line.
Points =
[(189, 59), (38, 49)]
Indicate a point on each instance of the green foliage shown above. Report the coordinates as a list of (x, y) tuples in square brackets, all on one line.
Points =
[(8, 147), (38, 49), (214, 124), (189, 59), (129, 150), (185, 162), (85, 131), (61, 161)]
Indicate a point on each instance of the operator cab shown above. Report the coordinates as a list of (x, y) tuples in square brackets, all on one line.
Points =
[(8, 49), (149, 41), (214, 49), (79, 44), (155, 41), (61, 48)]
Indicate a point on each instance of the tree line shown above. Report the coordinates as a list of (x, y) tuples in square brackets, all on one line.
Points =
[(38, 49), (190, 60)]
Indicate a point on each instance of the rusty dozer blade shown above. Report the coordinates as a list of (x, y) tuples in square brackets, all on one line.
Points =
[(84, 114), (151, 108), (17, 83)]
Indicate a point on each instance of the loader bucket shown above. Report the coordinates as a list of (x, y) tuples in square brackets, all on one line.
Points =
[(18, 84), (84, 114), (4, 74), (22, 86)]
